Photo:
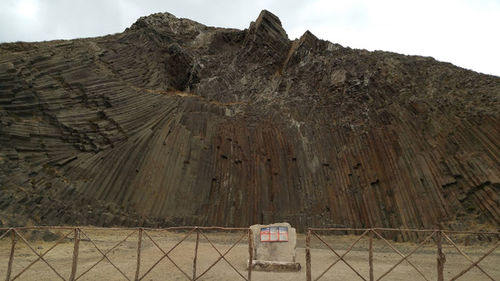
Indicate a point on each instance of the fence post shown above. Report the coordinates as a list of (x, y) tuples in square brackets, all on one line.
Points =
[(250, 253), (139, 247), (196, 252), (76, 247), (11, 257), (308, 256), (370, 253), (441, 258)]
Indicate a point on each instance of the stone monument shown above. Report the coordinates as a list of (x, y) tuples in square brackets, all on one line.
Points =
[(274, 247)]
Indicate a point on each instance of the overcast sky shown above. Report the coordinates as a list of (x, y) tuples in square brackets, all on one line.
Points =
[(463, 32)]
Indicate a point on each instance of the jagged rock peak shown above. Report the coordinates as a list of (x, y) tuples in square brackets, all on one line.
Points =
[(308, 38), (308, 35), (153, 20), (270, 24)]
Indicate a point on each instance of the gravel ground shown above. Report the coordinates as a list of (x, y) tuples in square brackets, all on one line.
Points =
[(125, 258)]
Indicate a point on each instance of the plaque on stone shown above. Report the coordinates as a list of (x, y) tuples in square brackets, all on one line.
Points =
[(265, 234), (283, 234), (274, 234), (274, 247)]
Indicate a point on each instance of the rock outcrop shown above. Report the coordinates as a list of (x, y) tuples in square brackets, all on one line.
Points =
[(175, 123)]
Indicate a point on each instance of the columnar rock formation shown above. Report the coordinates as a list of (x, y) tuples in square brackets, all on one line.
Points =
[(172, 122)]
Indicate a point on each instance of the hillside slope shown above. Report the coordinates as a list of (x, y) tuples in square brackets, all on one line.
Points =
[(175, 123)]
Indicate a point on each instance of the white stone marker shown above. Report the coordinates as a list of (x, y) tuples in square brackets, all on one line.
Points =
[(274, 247)]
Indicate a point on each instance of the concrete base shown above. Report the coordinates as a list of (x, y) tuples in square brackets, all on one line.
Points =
[(260, 265)]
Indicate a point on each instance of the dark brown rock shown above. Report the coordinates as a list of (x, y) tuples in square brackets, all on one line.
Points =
[(173, 122)]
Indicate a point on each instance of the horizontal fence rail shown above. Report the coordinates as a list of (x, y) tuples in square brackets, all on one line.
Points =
[(437, 235)]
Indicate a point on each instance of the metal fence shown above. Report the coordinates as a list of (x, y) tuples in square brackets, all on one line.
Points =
[(136, 268), (437, 237), (79, 234)]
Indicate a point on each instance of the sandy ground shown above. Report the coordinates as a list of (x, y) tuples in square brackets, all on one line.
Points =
[(125, 258)]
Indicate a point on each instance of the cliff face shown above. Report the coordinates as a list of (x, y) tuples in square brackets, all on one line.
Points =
[(173, 122)]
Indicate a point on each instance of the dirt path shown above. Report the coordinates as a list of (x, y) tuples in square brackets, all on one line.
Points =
[(124, 257)]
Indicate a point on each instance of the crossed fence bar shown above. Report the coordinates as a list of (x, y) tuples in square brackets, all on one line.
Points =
[(142, 234), (438, 235)]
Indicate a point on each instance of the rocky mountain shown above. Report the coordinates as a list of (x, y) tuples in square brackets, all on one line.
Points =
[(176, 123)]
